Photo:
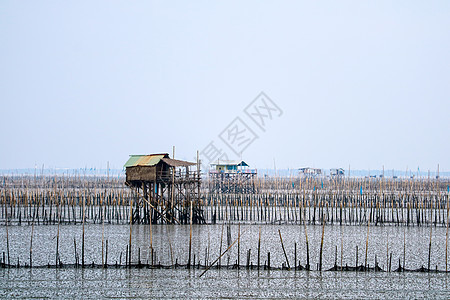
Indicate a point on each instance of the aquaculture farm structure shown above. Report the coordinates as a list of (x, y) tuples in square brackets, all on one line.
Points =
[(166, 190), (308, 172), (226, 176), (337, 173)]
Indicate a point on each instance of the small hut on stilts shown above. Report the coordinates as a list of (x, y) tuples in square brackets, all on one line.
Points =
[(164, 189)]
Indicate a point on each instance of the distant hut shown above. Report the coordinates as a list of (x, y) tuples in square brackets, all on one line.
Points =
[(230, 166), (310, 172), (165, 188), (231, 176), (339, 172)]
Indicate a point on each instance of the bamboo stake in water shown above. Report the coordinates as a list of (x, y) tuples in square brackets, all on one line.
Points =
[(404, 248), (446, 239), (82, 242), (106, 256), (342, 247), (7, 239), (321, 243), (229, 247), (239, 245), (284, 251), (103, 234), (220, 247), (151, 221), (57, 236), (295, 256), (75, 251), (367, 243), (170, 245), (31, 245), (429, 246), (387, 249), (129, 240), (259, 246), (190, 234), (307, 247)]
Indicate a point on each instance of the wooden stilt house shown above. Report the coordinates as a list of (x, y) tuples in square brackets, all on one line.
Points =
[(166, 190)]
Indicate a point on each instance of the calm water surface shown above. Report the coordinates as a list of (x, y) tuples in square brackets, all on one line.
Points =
[(217, 284), (170, 243)]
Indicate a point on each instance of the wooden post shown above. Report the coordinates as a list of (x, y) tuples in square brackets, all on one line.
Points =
[(446, 238), (342, 247), (172, 211), (429, 246), (106, 256), (31, 245), (259, 246), (170, 246), (220, 247), (152, 196), (7, 239), (307, 247), (390, 262), (229, 247), (190, 230), (75, 251), (82, 238), (284, 251), (103, 236), (321, 244), (239, 245), (404, 248), (295, 256), (131, 222), (57, 236), (387, 249), (335, 258), (367, 243)]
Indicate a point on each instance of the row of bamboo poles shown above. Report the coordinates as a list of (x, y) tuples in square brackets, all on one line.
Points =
[(354, 201), (327, 202), (243, 259)]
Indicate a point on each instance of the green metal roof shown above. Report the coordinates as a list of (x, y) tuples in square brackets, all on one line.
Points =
[(144, 160)]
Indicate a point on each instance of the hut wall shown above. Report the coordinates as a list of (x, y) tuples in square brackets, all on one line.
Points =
[(141, 173)]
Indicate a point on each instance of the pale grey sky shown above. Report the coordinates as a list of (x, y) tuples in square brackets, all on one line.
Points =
[(365, 83)]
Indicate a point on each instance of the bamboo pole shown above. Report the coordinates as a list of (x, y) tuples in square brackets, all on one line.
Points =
[(239, 245), (446, 238), (307, 267), (367, 243), (321, 245), (220, 247), (131, 228), (7, 238), (57, 236), (429, 245), (214, 262), (190, 234), (284, 251), (259, 246), (82, 242), (31, 245)]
